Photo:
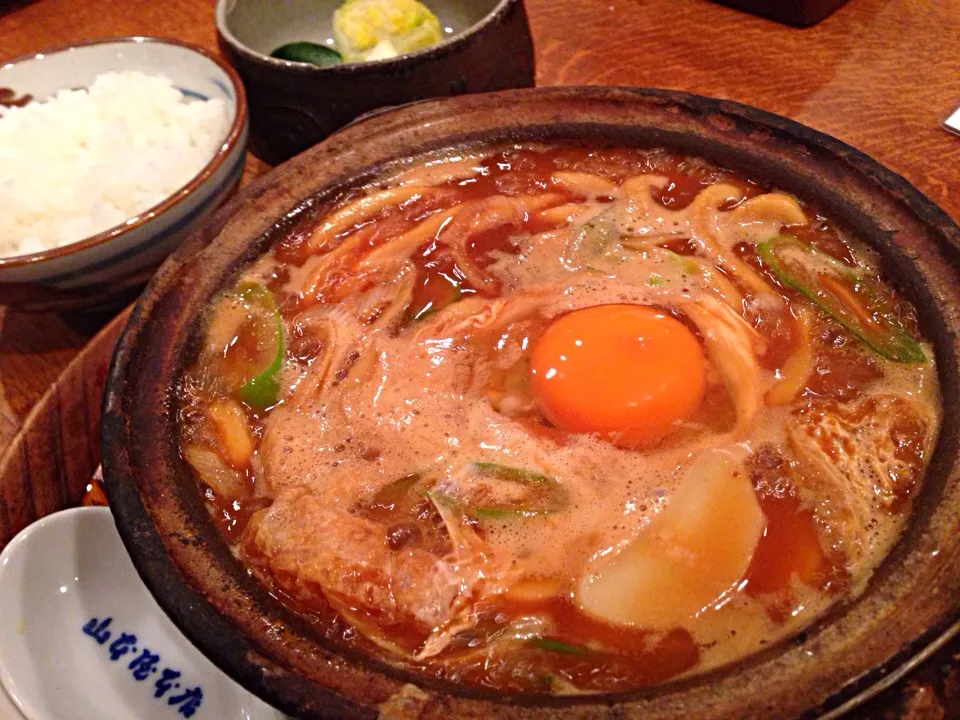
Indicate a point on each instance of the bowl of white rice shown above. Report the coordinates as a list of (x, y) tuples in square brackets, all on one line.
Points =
[(111, 152)]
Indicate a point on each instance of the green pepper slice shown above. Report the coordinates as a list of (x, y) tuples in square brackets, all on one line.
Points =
[(308, 52), (842, 293), (262, 390)]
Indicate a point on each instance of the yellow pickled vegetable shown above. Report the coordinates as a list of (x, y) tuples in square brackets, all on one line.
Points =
[(380, 29)]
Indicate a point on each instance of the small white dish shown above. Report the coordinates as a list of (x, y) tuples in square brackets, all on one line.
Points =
[(8, 711), (110, 267), (81, 638)]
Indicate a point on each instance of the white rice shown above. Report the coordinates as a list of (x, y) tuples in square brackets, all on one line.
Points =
[(87, 160)]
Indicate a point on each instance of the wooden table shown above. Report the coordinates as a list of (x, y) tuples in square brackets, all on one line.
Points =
[(878, 74)]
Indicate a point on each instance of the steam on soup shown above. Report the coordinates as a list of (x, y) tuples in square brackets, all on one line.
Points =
[(562, 419)]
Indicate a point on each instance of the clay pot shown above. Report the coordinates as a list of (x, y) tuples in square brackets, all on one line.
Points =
[(910, 602)]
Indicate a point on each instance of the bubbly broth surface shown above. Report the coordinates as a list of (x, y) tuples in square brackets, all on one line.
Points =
[(562, 419)]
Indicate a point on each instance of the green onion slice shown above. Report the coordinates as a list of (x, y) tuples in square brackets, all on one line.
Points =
[(842, 293), (543, 494), (557, 646)]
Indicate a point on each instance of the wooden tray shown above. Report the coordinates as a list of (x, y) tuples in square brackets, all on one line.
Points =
[(49, 463)]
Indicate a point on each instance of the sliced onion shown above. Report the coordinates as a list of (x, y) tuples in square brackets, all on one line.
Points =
[(220, 477), (233, 431)]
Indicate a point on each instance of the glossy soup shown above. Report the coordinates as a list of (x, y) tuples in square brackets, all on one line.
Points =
[(561, 419)]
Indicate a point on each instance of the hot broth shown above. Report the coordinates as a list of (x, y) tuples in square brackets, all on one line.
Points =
[(562, 419)]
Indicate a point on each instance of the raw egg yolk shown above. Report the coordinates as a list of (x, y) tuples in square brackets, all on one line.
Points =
[(627, 372)]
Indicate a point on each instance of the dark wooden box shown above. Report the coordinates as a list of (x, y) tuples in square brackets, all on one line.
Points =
[(791, 12)]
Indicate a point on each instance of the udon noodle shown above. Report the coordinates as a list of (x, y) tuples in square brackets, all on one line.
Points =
[(561, 419)]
